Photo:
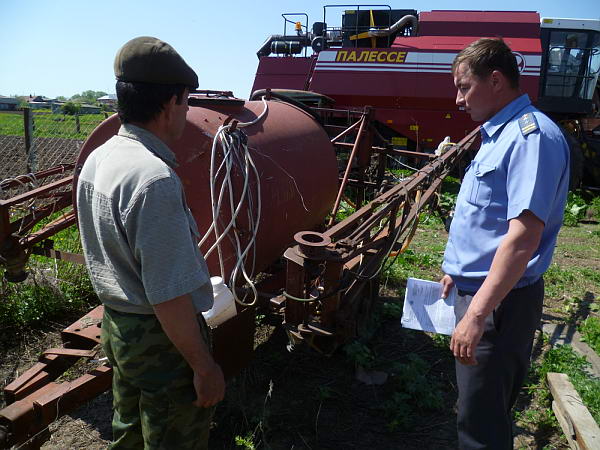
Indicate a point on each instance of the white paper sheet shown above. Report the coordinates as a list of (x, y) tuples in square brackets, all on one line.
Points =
[(424, 309)]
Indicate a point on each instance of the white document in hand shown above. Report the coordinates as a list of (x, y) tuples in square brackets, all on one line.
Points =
[(424, 309)]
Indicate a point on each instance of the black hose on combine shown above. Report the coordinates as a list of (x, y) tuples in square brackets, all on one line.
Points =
[(257, 95)]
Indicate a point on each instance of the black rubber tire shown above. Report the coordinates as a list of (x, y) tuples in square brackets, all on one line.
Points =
[(576, 160)]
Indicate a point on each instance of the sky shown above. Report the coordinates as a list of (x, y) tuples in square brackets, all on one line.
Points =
[(64, 47)]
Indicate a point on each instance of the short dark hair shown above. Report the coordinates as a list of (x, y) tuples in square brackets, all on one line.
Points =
[(142, 102), (486, 55)]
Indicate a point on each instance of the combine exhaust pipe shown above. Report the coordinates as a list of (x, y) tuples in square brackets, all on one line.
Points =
[(395, 27)]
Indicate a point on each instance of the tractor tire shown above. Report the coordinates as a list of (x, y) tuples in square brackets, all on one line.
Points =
[(576, 160), (591, 171)]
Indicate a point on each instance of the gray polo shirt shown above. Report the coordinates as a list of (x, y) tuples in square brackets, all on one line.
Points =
[(138, 235)]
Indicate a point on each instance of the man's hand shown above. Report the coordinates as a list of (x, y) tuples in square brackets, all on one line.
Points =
[(465, 338), (210, 386), (447, 284), (179, 322)]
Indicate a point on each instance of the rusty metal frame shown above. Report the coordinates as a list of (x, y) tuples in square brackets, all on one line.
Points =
[(16, 241), (352, 253)]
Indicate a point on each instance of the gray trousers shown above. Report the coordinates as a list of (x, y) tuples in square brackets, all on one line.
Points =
[(488, 390)]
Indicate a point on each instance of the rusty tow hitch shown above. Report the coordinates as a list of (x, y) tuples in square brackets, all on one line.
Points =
[(14, 258)]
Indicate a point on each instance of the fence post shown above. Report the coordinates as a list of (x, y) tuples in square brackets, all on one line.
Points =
[(77, 124), (29, 141)]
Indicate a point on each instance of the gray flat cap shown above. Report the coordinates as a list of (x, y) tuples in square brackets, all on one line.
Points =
[(147, 59)]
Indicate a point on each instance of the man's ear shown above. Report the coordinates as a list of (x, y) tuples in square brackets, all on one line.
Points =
[(168, 108), (498, 80)]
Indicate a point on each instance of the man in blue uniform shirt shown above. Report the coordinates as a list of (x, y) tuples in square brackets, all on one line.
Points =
[(508, 214)]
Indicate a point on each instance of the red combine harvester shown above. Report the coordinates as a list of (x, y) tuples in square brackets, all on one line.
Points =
[(399, 62)]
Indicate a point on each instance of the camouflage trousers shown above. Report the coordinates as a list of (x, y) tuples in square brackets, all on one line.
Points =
[(153, 386)]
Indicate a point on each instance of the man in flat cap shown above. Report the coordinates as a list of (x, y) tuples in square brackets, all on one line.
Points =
[(139, 241)]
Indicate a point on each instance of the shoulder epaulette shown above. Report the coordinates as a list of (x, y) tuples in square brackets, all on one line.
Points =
[(528, 124)]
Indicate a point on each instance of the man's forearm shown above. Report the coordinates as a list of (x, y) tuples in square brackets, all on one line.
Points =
[(179, 322)]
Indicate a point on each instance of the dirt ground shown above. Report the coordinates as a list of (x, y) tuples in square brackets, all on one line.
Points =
[(305, 400), (50, 152)]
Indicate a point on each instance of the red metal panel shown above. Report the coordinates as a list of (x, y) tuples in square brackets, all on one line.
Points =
[(525, 24), (285, 73), (457, 43)]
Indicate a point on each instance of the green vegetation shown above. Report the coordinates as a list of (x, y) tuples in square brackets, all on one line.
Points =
[(410, 387), (590, 329), (344, 211), (50, 125), (563, 359), (90, 97), (413, 390), (52, 290), (71, 108), (246, 442), (559, 279), (360, 354), (412, 264), (581, 205)]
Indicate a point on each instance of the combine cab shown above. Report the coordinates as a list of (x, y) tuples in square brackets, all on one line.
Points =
[(399, 62)]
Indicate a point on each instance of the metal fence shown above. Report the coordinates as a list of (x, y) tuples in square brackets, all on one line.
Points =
[(32, 141)]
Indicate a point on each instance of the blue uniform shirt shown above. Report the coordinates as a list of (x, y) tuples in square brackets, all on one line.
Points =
[(523, 164)]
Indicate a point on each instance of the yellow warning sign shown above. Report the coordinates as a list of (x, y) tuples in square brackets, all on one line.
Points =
[(399, 141), (447, 116)]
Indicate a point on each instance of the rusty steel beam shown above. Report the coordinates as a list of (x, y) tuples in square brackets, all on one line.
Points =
[(345, 132), (355, 148), (393, 150), (20, 179), (49, 230), (26, 223), (35, 193)]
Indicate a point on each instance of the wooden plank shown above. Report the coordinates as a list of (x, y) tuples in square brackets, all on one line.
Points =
[(566, 425), (577, 417)]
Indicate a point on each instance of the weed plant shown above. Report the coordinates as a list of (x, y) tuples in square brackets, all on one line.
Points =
[(413, 389), (53, 290), (411, 264), (590, 330), (557, 280), (563, 359), (581, 205)]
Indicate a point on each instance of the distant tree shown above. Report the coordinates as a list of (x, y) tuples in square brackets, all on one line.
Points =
[(71, 108), (61, 98), (89, 96)]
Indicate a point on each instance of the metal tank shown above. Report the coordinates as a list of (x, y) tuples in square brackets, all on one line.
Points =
[(294, 158)]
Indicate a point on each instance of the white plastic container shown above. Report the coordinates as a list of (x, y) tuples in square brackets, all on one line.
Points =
[(224, 306)]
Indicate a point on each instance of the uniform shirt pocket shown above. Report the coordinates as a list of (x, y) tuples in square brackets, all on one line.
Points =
[(482, 185)]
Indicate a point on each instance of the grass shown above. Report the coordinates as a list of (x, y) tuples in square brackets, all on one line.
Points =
[(590, 330), (53, 289), (563, 359), (48, 125), (561, 280), (581, 205)]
